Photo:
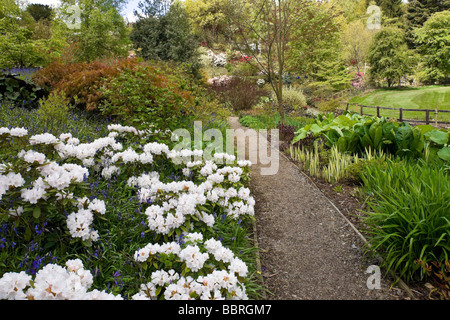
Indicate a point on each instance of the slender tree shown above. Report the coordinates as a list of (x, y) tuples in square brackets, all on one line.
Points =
[(265, 30), (102, 32)]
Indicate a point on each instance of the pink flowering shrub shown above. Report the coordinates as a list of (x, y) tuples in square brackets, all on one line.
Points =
[(358, 81)]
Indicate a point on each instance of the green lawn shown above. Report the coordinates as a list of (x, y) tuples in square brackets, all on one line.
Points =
[(407, 98)]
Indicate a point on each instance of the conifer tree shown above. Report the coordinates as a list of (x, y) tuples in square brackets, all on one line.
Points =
[(418, 12)]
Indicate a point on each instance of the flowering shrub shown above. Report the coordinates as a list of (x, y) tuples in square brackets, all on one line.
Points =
[(358, 82), (198, 269), (220, 81), (237, 58), (53, 282), (217, 60), (44, 187)]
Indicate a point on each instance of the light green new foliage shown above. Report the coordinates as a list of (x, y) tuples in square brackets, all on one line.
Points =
[(54, 109), (292, 97)]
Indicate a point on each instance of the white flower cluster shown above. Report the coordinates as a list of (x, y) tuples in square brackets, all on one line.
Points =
[(217, 60), (52, 175), (218, 284), (118, 129), (220, 81), (44, 138), (79, 223), (10, 180), (14, 132), (84, 151), (172, 202), (53, 282)]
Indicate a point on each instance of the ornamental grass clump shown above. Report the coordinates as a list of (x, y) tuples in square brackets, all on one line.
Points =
[(331, 165), (409, 217)]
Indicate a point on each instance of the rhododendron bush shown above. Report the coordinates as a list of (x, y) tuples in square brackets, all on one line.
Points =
[(51, 202)]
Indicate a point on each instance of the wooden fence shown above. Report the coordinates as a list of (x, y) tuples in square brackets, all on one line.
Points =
[(400, 113)]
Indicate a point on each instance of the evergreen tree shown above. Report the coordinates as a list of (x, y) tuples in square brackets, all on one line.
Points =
[(39, 11), (389, 57), (418, 12), (332, 73), (389, 8), (164, 32)]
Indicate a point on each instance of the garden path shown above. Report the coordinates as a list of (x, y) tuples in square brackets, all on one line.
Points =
[(308, 250)]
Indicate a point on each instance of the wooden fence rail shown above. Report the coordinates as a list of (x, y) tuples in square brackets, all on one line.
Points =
[(400, 113)]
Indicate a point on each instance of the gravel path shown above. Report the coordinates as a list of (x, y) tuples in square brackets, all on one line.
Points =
[(308, 250)]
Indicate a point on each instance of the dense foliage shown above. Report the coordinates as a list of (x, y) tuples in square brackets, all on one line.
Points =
[(100, 202), (352, 133)]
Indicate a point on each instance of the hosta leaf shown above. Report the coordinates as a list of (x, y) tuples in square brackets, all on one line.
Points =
[(404, 137), (444, 153), (437, 136)]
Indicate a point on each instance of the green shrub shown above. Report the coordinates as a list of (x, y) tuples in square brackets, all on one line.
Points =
[(330, 105), (409, 219), (54, 109), (146, 94), (293, 97)]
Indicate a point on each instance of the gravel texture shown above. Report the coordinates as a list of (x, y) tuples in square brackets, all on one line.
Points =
[(308, 250)]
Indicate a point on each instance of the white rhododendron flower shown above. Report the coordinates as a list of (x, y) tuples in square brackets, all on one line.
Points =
[(18, 132), (53, 282), (44, 138)]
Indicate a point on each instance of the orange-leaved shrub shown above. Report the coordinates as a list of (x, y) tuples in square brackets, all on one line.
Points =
[(82, 80), (136, 91)]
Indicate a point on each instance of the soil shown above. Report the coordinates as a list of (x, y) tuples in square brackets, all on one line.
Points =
[(308, 249)]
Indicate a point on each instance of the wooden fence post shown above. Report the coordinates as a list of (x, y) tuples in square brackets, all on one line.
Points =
[(427, 116), (436, 116), (401, 114), (361, 109), (378, 112)]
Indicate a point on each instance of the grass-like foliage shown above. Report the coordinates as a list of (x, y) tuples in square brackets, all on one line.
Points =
[(409, 220)]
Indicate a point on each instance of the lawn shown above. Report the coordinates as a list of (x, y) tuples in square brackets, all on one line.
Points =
[(410, 98)]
